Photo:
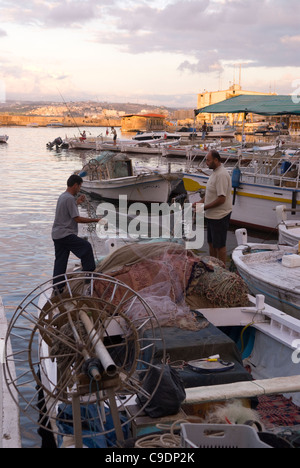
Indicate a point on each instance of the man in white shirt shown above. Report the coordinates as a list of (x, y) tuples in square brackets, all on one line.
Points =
[(217, 206)]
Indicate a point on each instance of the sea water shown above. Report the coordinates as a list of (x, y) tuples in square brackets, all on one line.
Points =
[(32, 178)]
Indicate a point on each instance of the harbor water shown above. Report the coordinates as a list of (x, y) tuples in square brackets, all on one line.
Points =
[(32, 178)]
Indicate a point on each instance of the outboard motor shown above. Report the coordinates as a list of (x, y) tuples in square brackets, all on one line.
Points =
[(57, 142)]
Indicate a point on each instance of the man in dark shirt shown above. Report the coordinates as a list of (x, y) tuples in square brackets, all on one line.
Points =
[(65, 232)]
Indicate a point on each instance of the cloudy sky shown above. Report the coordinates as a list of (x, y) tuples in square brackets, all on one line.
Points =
[(148, 51)]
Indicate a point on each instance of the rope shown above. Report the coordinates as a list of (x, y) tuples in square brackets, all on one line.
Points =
[(166, 440)]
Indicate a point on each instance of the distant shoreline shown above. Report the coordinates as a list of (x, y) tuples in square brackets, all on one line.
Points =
[(8, 120)]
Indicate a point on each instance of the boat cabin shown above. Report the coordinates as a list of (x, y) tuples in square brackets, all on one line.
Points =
[(108, 166)]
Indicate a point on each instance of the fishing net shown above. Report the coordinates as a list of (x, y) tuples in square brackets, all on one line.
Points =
[(172, 280)]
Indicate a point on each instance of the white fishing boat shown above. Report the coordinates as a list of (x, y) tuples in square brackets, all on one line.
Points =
[(87, 354), (150, 147), (89, 142), (289, 232), (260, 182), (288, 229), (220, 128), (4, 138), (272, 270), (163, 135), (109, 176)]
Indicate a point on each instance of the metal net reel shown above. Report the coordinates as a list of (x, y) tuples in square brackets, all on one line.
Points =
[(79, 359)]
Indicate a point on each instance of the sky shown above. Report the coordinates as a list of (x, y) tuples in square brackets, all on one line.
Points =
[(159, 52)]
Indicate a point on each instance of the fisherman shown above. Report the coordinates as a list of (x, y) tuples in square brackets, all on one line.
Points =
[(114, 133), (83, 136), (65, 232), (217, 206)]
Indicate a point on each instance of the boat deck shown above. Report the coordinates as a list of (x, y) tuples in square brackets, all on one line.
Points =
[(268, 264)]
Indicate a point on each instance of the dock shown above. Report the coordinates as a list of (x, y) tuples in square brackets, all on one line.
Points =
[(10, 436)]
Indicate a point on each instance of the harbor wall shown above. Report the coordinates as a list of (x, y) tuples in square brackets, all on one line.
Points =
[(44, 121), (9, 412)]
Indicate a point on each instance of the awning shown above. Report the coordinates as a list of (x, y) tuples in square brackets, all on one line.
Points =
[(263, 105)]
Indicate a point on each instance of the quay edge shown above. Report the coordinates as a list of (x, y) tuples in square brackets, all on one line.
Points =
[(10, 436)]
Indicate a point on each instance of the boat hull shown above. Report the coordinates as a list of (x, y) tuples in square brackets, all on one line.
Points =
[(289, 233), (146, 188), (264, 274), (254, 204)]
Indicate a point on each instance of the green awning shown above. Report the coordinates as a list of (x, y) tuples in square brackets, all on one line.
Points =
[(263, 105)]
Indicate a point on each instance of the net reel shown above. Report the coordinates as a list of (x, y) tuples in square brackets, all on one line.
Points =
[(80, 358)]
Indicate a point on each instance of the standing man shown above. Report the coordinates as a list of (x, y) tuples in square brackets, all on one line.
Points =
[(114, 133), (65, 231), (217, 206)]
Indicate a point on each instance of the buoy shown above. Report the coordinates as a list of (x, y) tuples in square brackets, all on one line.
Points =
[(236, 179)]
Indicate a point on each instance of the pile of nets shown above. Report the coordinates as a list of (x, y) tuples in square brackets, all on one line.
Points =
[(217, 288), (173, 280)]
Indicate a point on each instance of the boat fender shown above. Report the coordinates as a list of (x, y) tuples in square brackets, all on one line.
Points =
[(285, 167), (236, 177), (235, 180), (82, 174)]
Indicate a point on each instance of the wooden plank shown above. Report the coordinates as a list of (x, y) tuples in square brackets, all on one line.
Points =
[(243, 390), (9, 412)]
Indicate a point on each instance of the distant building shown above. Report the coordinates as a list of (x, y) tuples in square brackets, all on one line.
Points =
[(143, 122), (183, 114), (208, 98)]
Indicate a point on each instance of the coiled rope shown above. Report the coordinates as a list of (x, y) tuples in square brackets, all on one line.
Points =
[(165, 440)]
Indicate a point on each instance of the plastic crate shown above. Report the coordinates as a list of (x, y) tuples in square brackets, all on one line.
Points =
[(220, 436)]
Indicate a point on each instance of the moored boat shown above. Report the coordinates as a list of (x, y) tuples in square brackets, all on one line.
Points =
[(288, 229), (272, 270), (4, 138), (109, 176), (220, 128), (163, 135), (261, 182)]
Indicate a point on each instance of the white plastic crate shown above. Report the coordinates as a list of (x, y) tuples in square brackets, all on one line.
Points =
[(219, 436)]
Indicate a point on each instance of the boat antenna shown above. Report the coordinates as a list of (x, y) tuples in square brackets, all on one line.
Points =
[(69, 110)]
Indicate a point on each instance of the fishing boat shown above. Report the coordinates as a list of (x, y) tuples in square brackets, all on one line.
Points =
[(55, 124), (288, 229), (261, 181), (220, 128), (146, 136), (87, 143), (272, 270), (89, 353), (3, 138), (149, 147), (109, 176)]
